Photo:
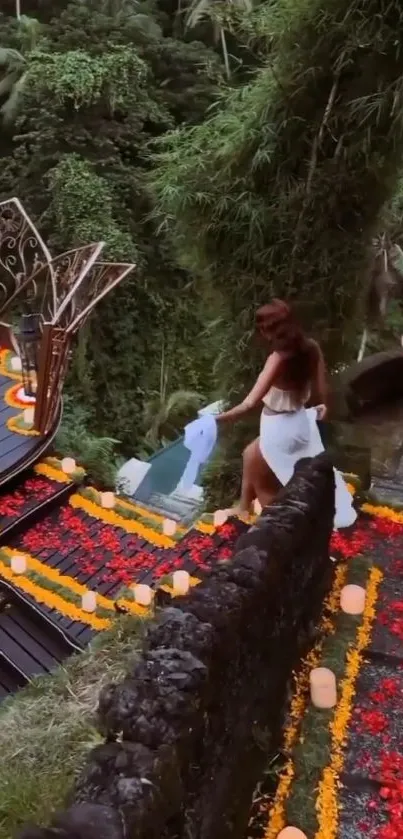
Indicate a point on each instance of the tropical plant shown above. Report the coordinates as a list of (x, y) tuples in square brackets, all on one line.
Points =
[(12, 83), (101, 85), (15, 65), (166, 416), (165, 413), (221, 14), (96, 454)]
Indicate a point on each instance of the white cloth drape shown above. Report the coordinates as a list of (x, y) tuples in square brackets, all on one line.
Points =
[(200, 439), (287, 438)]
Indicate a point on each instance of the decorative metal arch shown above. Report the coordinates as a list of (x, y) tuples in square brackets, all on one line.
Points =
[(23, 254), (64, 290)]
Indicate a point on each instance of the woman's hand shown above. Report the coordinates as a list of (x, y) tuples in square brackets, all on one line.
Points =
[(321, 411), (233, 414)]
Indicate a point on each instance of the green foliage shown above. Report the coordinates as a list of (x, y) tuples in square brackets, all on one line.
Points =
[(48, 729), (82, 207), (281, 190), (96, 455), (102, 81), (14, 63), (223, 15), (77, 76), (166, 415)]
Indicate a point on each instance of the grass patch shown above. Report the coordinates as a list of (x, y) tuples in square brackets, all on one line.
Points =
[(47, 730)]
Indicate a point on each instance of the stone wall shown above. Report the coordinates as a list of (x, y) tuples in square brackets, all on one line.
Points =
[(366, 384), (186, 732)]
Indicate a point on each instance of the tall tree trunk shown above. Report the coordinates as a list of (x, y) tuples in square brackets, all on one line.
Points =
[(363, 344), (225, 52)]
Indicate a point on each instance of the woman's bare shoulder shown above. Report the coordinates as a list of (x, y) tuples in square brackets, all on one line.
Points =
[(274, 359)]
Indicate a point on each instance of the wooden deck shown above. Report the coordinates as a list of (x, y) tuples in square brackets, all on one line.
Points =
[(31, 644), (17, 451)]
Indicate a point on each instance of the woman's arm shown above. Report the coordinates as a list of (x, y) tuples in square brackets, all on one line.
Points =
[(263, 383)]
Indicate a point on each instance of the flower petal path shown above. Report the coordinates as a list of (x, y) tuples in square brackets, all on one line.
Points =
[(103, 551), (357, 749), (33, 491), (371, 799)]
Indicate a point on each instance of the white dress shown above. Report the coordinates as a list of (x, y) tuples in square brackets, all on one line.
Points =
[(290, 434)]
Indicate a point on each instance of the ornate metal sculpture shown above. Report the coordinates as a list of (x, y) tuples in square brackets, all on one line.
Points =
[(22, 252), (63, 291), (29, 343)]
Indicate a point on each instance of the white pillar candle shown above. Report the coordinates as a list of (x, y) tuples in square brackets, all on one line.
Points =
[(323, 688), (89, 601), (29, 416), (220, 517), (143, 594), (68, 465), (169, 527), (291, 833), (107, 500), (18, 564), (181, 582), (352, 600), (257, 507), (16, 364)]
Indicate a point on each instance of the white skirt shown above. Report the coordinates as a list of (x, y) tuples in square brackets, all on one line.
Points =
[(287, 438)]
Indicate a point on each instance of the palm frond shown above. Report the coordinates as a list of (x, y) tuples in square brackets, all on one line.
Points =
[(183, 399), (10, 56), (7, 83), (147, 25), (11, 106), (198, 10)]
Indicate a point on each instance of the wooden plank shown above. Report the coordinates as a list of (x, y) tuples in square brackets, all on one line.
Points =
[(6, 411), (39, 635), (10, 680), (17, 449), (54, 616), (5, 433), (28, 643), (13, 447), (16, 653), (86, 636)]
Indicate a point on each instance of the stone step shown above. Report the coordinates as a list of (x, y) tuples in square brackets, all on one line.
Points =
[(176, 506)]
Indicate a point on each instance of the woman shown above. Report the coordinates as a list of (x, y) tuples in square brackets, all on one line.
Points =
[(293, 375)]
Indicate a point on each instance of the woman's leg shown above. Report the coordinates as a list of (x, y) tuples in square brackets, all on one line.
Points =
[(258, 480), (266, 485), (248, 493)]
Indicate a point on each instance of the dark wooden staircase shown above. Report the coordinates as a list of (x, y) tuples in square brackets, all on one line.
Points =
[(30, 645), (30, 642)]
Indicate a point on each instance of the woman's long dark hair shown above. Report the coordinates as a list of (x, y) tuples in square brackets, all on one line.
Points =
[(277, 324)]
